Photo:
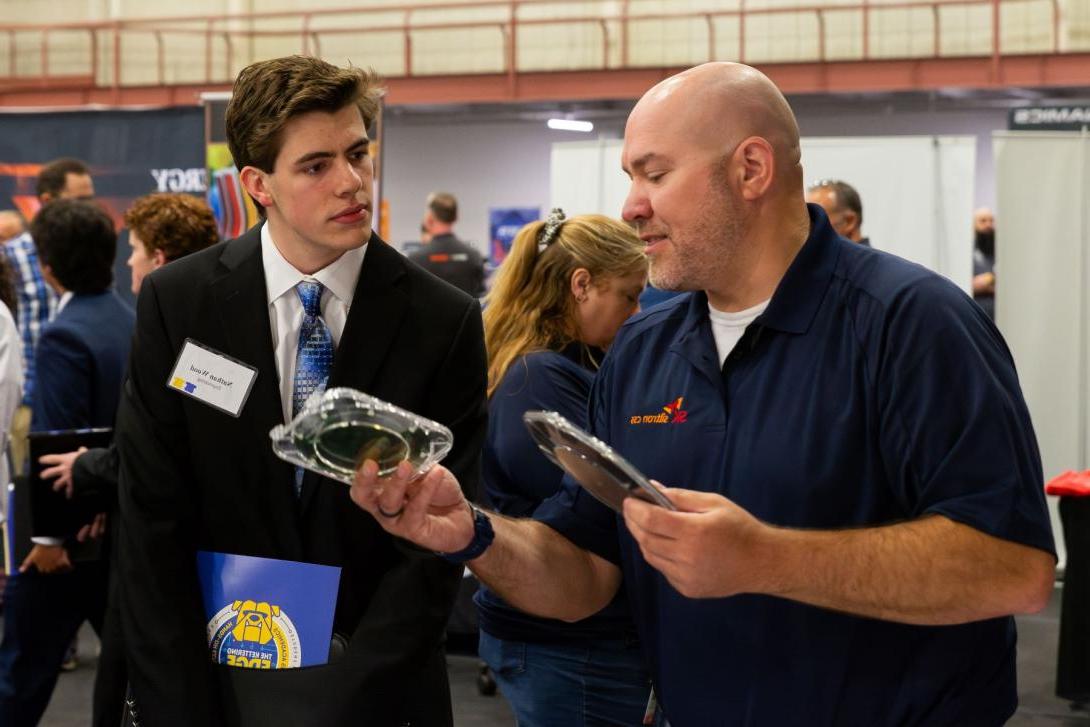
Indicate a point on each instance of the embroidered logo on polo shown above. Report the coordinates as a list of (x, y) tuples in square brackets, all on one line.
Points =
[(671, 413), (255, 635)]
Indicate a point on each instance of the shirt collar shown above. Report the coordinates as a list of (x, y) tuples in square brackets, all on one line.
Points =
[(340, 276), (67, 296), (795, 302), (802, 288)]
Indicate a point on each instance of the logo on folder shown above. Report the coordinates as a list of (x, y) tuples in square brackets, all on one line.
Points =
[(265, 613), (255, 635), (671, 413), (179, 383)]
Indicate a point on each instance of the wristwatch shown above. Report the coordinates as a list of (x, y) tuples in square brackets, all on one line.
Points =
[(483, 535)]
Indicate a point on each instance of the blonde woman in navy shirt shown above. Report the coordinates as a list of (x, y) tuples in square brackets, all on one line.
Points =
[(558, 301)]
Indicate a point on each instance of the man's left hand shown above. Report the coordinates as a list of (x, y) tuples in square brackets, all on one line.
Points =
[(709, 548), (93, 530), (60, 466)]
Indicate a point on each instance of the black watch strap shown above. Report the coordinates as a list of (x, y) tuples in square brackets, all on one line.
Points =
[(483, 535)]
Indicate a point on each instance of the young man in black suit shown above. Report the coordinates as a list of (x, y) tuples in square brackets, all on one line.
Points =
[(195, 477)]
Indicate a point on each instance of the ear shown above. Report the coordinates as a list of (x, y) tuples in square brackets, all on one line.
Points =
[(158, 260), (580, 282), (851, 220), (256, 182), (756, 165), (47, 275)]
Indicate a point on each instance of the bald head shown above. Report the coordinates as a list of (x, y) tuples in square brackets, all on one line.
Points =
[(718, 105), (983, 220), (716, 193), (11, 224)]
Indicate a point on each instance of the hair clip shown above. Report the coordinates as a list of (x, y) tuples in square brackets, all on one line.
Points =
[(552, 226)]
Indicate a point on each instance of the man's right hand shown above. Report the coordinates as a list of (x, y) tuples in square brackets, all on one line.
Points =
[(47, 559), (430, 511)]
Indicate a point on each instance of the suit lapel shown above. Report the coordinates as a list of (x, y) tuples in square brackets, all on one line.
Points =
[(241, 298), (379, 305)]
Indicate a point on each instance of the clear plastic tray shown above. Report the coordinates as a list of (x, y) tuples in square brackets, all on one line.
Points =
[(339, 429), (593, 463)]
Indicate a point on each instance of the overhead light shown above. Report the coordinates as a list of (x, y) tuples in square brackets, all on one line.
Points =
[(570, 125)]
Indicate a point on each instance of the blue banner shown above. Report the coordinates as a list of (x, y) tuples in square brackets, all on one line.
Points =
[(503, 224), (265, 613)]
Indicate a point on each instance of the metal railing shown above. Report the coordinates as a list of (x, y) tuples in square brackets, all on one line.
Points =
[(222, 35)]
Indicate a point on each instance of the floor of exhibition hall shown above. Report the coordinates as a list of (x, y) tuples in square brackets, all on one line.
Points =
[(1039, 707)]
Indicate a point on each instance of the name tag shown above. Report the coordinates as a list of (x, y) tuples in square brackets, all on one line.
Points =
[(211, 377)]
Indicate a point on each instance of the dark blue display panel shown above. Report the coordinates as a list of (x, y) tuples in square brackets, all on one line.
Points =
[(131, 153)]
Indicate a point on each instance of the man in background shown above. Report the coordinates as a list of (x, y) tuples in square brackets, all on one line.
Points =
[(444, 255), (81, 359), (843, 206), (61, 179), (162, 228), (984, 260)]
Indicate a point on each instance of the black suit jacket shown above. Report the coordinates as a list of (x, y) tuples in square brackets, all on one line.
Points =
[(194, 478)]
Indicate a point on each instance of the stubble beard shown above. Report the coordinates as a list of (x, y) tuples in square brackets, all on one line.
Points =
[(701, 257)]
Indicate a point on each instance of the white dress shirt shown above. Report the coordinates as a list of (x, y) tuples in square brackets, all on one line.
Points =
[(286, 310)]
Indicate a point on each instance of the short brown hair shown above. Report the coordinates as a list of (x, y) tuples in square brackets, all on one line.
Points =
[(54, 175), (267, 94), (177, 224), (444, 207)]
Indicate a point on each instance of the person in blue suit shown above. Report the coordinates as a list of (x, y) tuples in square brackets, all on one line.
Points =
[(163, 227), (559, 298), (81, 358)]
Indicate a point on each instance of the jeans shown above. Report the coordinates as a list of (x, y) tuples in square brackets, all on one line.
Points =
[(570, 685)]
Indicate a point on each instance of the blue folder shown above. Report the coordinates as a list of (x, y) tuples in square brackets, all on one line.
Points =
[(267, 614)]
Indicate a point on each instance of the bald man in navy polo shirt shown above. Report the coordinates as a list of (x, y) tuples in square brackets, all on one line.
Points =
[(862, 508)]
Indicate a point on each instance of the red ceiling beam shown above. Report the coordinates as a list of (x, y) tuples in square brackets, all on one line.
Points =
[(1036, 71), (1040, 71)]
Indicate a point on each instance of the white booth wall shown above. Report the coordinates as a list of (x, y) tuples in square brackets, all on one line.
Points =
[(483, 164), (1043, 288)]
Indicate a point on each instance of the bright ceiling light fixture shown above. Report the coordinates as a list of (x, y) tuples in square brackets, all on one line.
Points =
[(569, 125)]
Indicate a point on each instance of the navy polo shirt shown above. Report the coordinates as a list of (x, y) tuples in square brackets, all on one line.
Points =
[(870, 391)]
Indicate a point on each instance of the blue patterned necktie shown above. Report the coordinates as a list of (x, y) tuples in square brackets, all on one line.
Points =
[(314, 358)]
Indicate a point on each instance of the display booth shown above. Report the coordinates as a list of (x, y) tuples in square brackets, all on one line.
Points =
[(1042, 293)]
